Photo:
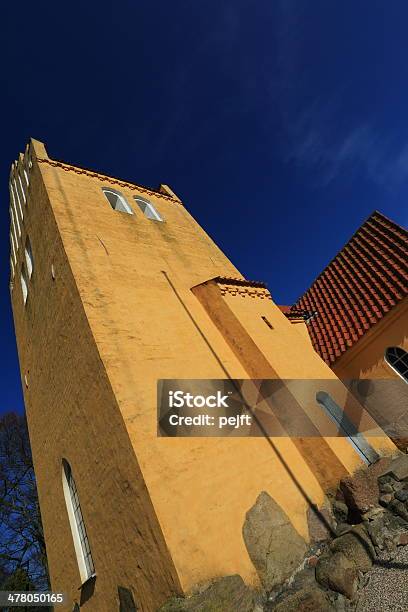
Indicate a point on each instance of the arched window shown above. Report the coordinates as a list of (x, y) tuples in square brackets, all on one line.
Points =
[(397, 359), (29, 258), (117, 201), (24, 285), (147, 208), (347, 428), (76, 520)]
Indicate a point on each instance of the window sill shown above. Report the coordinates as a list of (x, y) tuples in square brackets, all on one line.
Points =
[(91, 578)]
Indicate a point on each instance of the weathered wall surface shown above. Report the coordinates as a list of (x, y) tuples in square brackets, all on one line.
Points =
[(73, 414), (120, 315)]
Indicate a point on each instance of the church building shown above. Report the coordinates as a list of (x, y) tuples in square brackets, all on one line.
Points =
[(114, 287)]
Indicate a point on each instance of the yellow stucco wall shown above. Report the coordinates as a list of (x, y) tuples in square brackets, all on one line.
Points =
[(162, 513), (366, 358)]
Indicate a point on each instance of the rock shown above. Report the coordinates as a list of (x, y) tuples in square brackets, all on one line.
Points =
[(385, 531), (385, 488), (313, 561), (341, 603), (321, 523), (398, 468), (386, 499), (306, 600), (372, 514), (357, 547), (384, 479), (402, 495), (403, 539), (398, 507), (338, 573), (274, 546), (397, 485), (227, 594), (343, 528), (175, 604), (340, 510), (361, 490)]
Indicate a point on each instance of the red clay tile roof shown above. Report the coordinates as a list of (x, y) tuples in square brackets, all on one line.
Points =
[(365, 280)]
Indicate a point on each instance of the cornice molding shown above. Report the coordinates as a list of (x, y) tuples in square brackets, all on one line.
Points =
[(105, 178)]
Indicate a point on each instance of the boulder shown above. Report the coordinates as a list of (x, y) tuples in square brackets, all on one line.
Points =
[(385, 487), (385, 531), (340, 510), (402, 495), (338, 573), (399, 508), (357, 547), (361, 491), (386, 499), (307, 600), (343, 528), (398, 468), (274, 546), (321, 523)]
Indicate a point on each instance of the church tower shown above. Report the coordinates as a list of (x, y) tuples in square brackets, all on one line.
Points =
[(115, 286)]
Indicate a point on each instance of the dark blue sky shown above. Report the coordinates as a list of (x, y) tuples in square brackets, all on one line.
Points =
[(281, 124)]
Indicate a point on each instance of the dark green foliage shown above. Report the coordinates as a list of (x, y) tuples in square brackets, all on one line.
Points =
[(22, 547)]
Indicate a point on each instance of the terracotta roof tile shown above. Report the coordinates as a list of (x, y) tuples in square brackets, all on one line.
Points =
[(365, 280)]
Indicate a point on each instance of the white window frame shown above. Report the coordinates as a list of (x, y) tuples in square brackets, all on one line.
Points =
[(28, 253), (22, 188), (124, 206), (13, 199), (390, 365), (84, 559), (14, 218), (148, 209), (13, 248), (24, 284)]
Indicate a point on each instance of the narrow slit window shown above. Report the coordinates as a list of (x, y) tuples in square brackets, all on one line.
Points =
[(22, 188), (397, 359), (15, 224), (29, 258), (268, 323), (15, 199), (117, 201), (347, 428), (24, 285), (13, 247), (148, 209), (76, 520), (26, 177)]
